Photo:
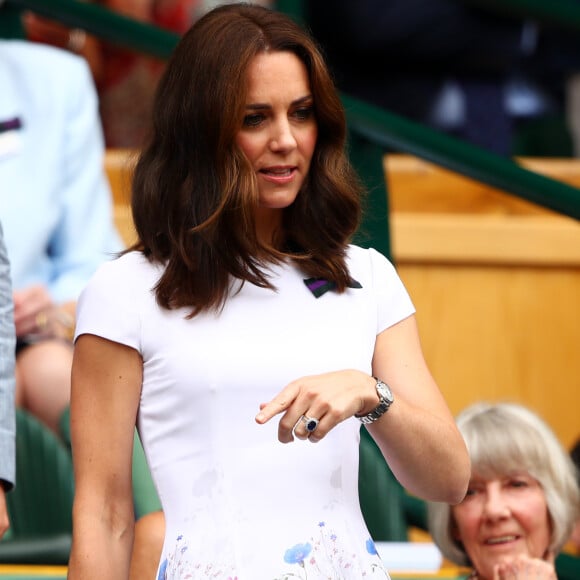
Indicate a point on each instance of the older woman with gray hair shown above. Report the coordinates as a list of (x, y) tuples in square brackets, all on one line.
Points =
[(522, 501)]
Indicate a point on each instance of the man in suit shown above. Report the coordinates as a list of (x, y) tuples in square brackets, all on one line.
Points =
[(7, 424)]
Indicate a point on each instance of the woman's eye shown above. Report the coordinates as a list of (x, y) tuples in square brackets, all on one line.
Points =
[(518, 483), (253, 120), (304, 113)]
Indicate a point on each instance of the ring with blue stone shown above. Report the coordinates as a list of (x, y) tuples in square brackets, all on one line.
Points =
[(310, 423)]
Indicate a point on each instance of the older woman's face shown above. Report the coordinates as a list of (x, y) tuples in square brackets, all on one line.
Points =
[(502, 518)]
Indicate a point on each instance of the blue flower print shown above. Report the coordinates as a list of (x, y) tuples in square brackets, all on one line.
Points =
[(371, 548), (324, 555), (162, 569), (297, 553)]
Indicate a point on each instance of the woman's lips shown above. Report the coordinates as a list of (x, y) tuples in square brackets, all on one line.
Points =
[(498, 540), (279, 175)]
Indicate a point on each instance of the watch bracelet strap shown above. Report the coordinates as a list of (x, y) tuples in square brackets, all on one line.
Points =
[(378, 411)]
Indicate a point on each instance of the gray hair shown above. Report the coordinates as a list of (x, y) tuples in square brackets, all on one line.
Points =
[(501, 438)]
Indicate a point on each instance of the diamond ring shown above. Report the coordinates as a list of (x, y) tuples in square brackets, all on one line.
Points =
[(310, 423)]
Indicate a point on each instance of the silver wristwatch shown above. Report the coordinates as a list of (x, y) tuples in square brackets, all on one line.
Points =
[(385, 401)]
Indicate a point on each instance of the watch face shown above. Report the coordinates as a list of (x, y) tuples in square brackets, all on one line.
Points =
[(385, 391)]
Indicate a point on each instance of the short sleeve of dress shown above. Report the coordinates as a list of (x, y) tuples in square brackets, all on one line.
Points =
[(393, 301), (109, 305)]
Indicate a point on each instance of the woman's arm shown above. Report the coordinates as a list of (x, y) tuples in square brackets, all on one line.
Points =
[(417, 435), (106, 386)]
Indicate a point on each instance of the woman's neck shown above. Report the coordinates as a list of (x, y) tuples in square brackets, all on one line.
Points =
[(268, 226)]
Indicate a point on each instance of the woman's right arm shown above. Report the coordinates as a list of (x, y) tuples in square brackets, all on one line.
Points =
[(106, 387)]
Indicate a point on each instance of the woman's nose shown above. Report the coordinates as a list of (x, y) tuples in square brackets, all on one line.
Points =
[(282, 138), (495, 505)]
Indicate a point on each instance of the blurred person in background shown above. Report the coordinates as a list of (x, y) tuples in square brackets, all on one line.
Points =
[(126, 80), (56, 210), (522, 501), (465, 68), (7, 423)]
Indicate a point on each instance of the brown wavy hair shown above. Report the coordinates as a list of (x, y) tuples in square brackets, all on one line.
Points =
[(195, 193)]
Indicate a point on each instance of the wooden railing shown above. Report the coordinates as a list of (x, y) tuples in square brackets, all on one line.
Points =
[(496, 283), (438, 215)]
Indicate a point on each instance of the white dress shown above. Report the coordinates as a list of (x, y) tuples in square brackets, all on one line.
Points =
[(240, 505)]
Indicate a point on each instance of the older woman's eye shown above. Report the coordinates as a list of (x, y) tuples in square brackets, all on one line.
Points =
[(253, 120), (471, 491), (518, 483)]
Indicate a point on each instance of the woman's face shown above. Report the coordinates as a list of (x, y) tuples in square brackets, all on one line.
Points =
[(502, 518), (279, 129)]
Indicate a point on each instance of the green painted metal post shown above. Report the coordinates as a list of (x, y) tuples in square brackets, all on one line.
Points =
[(367, 158)]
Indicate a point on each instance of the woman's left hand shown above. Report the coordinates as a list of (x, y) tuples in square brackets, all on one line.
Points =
[(525, 568), (329, 399)]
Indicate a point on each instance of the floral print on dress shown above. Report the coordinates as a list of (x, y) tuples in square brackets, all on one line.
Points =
[(324, 557), (162, 569), (371, 548), (297, 553), (321, 557), (177, 567)]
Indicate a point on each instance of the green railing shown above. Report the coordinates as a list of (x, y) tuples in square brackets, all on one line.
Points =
[(392, 131), (366, 123), (103, 23)]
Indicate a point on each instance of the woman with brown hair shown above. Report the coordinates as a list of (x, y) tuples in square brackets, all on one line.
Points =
[(244, 319)]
